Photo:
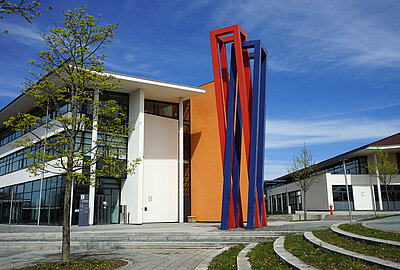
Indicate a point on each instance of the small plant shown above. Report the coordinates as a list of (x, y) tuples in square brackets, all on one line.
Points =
[(262, 256), (306, 252), (80, 265), (381, 251), (227, 259), (361, 230)]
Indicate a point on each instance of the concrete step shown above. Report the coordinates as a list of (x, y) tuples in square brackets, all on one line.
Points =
[(146, 237), (43, 245)]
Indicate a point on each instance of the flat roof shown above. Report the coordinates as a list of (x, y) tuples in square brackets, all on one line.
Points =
[(153, 89), (389, 144)]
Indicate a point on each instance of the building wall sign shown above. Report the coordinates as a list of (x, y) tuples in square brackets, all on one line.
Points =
[(84, 210)]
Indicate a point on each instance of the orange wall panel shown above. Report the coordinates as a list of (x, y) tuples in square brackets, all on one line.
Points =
[(206, 164)]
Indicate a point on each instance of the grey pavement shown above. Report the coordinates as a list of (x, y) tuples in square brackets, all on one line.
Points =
[(141, 258), (385, 224), (162, 257)]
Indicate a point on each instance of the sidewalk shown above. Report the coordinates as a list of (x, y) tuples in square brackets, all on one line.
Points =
[(143, 258)]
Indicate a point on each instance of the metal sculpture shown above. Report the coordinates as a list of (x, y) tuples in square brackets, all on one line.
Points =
[(241, 102)]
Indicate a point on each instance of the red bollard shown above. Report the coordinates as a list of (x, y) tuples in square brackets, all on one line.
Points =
[(331, 208)]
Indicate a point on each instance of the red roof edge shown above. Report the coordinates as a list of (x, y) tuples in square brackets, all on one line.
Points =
[(391, 140)]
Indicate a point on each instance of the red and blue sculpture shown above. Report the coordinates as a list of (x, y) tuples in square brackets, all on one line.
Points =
[(241, 101)]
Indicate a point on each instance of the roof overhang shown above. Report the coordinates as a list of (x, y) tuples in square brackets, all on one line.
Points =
[(153, 89)]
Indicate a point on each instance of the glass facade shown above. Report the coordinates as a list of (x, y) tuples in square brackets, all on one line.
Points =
[(19, 159), (353, 166), (24, 201), (8, 134), (107, 201), (394, 197)]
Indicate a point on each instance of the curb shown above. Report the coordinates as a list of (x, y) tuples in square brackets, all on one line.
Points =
[(372, 240), (287, 257), (127, 266), (204, 265), (331, 248), (365, 224), (242, 262)]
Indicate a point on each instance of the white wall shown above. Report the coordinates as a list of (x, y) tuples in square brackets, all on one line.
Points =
[(160, 185), (361, 189), (132, 187), (317, 197)]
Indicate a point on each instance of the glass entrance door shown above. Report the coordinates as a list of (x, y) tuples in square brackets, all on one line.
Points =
[(103, 209)]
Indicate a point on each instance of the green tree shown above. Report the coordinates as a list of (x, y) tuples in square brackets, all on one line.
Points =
[(384, 169), (25, 8), (305, 172), (71, 77)]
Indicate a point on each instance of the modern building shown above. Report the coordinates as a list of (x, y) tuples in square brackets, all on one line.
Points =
[(284, 195), (160, 189)]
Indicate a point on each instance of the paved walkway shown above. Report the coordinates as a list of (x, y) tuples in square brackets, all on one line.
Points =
[(385, 224), (141, 258), (156, 258)]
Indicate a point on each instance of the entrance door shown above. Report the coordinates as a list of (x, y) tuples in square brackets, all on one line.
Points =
[(103, 209)]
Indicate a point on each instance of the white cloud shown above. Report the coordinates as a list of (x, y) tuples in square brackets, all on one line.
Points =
[(292, 133), (274, 168), (6, 93), (333, 33), (25, 34)]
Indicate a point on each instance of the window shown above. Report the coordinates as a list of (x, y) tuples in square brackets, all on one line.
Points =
[(340, 194), (161, 108), (354, 166)]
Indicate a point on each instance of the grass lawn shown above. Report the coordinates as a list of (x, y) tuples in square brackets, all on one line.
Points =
[(361, 230), (227, 259), (89, 264), (380, 250), (306, 252), (262, 256)]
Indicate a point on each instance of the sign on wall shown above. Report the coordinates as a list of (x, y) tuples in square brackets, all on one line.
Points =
[(83, 210)]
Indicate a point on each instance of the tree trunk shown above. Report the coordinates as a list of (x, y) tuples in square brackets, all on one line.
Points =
[(66, 232), (387, 197), (305, 206)]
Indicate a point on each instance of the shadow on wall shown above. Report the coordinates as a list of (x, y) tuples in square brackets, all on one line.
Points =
[(194, 140)]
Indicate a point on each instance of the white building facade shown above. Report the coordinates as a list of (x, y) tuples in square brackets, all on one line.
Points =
[(155, 193), (365, 192)]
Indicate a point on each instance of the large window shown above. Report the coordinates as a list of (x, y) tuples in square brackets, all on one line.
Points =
[(340, 201), (19, 159), (394, 196), (295, 201), (340, 194), (24, 199), (161, 108), (8, 134), (354, 166)]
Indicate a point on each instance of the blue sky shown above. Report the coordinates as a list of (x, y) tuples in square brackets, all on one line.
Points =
[(333, 73)]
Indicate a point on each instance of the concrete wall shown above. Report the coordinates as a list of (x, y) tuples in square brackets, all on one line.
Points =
[(132, 187), (160, 184)]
